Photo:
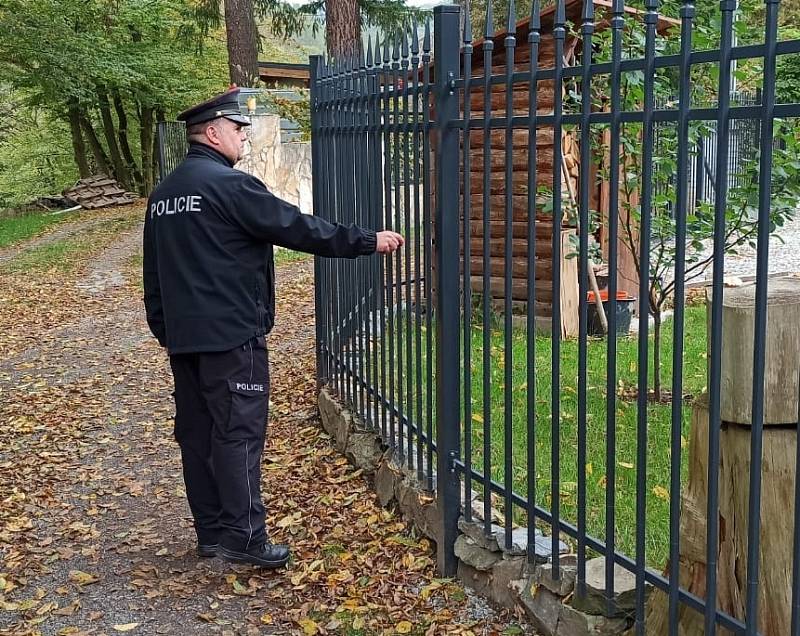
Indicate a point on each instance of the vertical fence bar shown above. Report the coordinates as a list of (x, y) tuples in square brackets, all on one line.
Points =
[(651, 21), (386, 78), (559, 34), (378, 163), (364, 265), (587, 29), (534, 37), (404, 65), (314, 63), (417, 256), (467, 214), (398, 263), (508, 334), (488, 48), (617, 31), (427, 221), (348, 213), (759, 341), (373, 163), (727, 7), (333, 164), (681, 213), (446, 72)]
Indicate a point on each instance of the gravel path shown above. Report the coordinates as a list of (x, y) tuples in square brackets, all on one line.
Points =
[(95, 533)]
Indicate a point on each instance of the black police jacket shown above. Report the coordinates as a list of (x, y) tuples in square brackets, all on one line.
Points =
[(209, 279)]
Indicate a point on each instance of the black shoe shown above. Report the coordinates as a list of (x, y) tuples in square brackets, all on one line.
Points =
[(266, 555), (206, 550)]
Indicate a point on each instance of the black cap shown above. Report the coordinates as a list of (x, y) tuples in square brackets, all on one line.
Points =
[(225, 105)]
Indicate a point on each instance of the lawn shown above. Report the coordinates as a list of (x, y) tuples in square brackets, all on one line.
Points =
[(624, 488), (18, 228)]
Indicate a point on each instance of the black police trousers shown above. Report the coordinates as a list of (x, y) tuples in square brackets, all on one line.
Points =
[(221, 408)]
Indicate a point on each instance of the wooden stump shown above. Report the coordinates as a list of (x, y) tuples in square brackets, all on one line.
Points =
[(782, 352), (777, 471), (777, 527)]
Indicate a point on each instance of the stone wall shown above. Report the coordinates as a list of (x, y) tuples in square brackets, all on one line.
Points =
[(284, 168), (502, 575)]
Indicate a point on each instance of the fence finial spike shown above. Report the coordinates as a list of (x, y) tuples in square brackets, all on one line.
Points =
[(489, 29), (404, 41), (588, 10), (536, 16), (362, 63), (369, 51), (426, 40), (414, 38), (511, 25), (396, 47), (561, 14), (467, 23)]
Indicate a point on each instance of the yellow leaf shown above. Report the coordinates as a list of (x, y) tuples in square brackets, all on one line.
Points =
[(625, 464), (125, 627), (82, 578), (403, 627), (661, 493), (358, 623), (477, 417), (310, 628), (684, 442), (266, 619), (589, 469)]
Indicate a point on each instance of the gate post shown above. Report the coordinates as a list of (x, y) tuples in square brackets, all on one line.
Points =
[(315, 63), (447, 38)]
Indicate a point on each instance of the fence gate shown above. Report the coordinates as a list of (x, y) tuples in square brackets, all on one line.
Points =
[(491, 158)]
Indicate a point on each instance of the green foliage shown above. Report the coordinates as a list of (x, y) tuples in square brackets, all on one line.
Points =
[(293, 110), (71, 56), (35, 157)]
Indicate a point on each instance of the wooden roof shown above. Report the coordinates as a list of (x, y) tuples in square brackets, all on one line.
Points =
[(282, 73), (574, 9)]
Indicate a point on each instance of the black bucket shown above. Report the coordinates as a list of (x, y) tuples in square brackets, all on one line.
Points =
[(625, 306)]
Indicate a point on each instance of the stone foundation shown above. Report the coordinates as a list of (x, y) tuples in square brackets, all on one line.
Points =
[(503, 576)]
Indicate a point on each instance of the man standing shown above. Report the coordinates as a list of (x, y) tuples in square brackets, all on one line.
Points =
[(210, 300)]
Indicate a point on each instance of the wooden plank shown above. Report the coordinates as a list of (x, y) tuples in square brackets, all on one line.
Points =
[(519, 267)]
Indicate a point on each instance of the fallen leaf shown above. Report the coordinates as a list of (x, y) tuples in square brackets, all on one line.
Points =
[(125, 627)]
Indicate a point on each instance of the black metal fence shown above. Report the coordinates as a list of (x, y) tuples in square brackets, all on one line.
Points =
[(466, 392), (172, 146)]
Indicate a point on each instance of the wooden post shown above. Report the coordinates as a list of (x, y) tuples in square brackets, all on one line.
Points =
[(777, 470)]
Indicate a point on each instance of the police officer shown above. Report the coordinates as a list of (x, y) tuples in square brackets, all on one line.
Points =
[(210, 300)]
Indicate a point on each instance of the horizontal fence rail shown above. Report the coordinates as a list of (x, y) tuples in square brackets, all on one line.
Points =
[(588, 149)]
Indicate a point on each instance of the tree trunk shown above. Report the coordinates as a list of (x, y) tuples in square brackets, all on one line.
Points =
[(120, 171), (342, 28), (78, 146), (657, 354), (242, 32), (146, 140), (100, 157), (122, 132)]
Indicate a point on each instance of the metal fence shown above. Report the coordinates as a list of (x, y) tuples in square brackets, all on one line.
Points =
[(465, 392), (172, 146)]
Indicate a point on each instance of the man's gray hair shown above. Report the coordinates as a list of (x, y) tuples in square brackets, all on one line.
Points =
[(195, 132)]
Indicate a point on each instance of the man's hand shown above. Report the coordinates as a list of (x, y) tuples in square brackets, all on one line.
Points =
[(388, 241)]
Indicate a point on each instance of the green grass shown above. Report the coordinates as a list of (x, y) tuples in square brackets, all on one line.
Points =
[(284, 255), (63, 254), (19, 228), (625, 427)]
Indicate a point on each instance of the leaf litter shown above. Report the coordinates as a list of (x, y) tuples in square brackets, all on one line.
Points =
[(95, 533)]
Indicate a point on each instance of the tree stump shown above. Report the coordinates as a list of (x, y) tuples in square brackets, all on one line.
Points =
[(777, 470), (782, 352)]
